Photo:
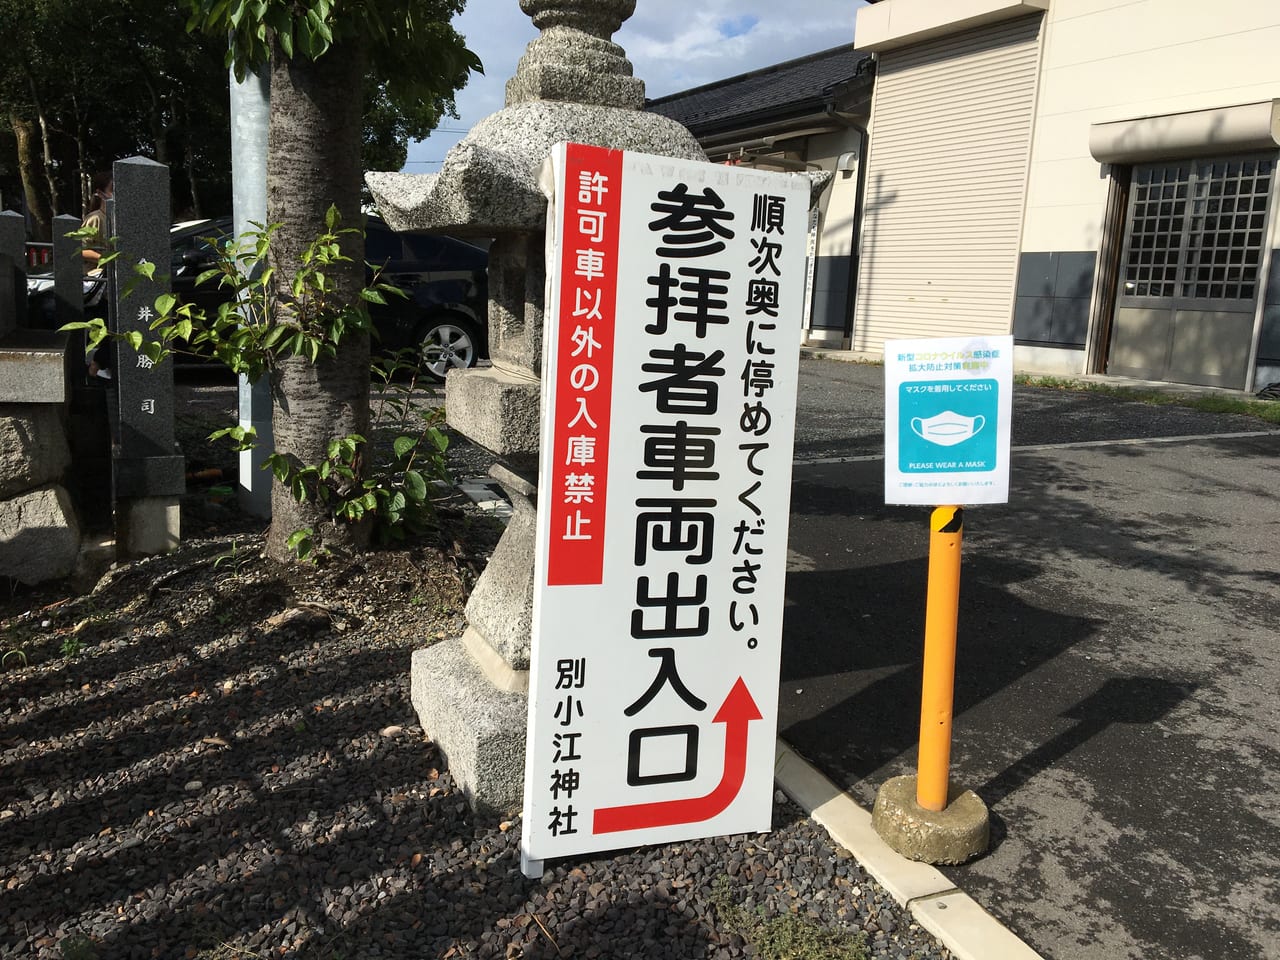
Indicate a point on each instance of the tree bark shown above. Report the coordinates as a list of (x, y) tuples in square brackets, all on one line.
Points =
[(29, 170), (46, 145), (313, 161)]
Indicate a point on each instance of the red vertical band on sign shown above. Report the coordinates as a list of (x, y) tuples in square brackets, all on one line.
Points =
[(588, 210)]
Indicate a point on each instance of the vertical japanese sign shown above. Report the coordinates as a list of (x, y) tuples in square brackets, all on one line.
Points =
[(675, 298), (948, 406)]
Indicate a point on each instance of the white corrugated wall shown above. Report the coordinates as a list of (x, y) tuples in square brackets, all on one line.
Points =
[(946, 184)]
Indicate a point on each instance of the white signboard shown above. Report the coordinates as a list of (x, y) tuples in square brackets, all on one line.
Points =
[(948, 404), (674, 304)]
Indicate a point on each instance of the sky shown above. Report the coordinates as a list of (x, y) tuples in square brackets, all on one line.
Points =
[(672, 44)]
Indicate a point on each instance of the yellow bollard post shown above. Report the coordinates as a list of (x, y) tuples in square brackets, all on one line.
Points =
[(911, 813), (942, 603)]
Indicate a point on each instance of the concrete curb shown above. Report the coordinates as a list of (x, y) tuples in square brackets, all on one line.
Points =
[(955, 918)]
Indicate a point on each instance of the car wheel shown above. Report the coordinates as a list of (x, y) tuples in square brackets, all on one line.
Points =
[(446, 343)]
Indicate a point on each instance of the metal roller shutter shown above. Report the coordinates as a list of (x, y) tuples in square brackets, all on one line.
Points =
[(946, 183)]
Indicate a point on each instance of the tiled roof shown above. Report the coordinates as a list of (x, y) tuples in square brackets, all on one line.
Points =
[(793, 87)]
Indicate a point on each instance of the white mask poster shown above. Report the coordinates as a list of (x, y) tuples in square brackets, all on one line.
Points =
[(674, 303), (948, 407)]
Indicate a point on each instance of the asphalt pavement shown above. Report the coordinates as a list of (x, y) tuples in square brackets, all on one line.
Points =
[(1118, 674)]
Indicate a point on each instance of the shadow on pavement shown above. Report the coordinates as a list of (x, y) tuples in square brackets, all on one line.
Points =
[(1132, 700), (852, 649)]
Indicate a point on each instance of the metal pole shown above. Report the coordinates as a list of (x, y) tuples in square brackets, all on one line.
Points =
[(942, 603), (250, 109)]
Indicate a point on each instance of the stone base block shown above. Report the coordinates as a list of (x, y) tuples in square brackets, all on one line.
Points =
[(954, 835), (33, 367), (479, 728), (33, 446), (148, 526), (39, 536), (497, 410)]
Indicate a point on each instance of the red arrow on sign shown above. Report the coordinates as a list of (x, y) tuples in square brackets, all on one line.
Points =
[(737, 711)]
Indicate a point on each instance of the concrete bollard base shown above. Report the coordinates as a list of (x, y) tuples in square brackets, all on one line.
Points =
[(954, 835)]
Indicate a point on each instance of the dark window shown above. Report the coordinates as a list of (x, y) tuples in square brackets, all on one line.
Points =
[(1196, 229)]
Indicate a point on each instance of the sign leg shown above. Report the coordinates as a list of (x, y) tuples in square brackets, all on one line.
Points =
[(529, 867)]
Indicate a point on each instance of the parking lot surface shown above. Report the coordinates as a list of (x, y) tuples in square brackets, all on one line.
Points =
[(1118, 661)]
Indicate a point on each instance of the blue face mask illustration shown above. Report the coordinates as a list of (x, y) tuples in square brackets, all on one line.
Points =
[(946, 429)]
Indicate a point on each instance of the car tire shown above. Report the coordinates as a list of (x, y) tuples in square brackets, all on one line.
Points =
[(447, 342)]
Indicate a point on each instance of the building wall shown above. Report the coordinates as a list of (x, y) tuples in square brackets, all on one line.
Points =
[(1110, 60), (836, 263), (1113, 60), (1099, 62), (951, 127)]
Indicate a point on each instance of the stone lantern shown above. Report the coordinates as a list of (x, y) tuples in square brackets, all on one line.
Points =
[(572, 84)]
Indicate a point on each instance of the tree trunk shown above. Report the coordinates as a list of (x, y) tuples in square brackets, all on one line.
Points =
[(47, 147), (47, 156), (313, 161), (29, 169), (159, 130)]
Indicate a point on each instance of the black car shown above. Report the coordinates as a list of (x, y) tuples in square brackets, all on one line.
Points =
[(442, 314)]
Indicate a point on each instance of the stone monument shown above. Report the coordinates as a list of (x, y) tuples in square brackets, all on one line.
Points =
[(149, 471)]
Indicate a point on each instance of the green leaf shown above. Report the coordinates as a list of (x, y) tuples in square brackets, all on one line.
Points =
[(403, 445), (146, 269), (273, 335), (301, 542), (134, 339), (417, 486), (286, 41), (373, 296), (331, 216), (165, 302)]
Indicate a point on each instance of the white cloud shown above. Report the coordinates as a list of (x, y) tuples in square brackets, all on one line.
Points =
[(673, 45)]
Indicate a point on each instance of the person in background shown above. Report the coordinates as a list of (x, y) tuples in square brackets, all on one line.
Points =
[(96, 219)]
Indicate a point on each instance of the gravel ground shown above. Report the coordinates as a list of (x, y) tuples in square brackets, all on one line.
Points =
[(212, 757)]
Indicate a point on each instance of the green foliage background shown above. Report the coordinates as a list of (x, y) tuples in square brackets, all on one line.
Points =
[(95, 82)]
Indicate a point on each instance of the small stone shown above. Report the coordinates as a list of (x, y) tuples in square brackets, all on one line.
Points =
[(192, 786), (391, 731)]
